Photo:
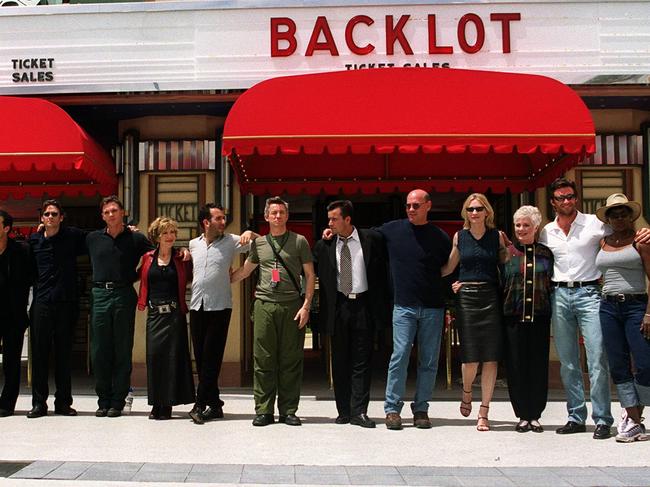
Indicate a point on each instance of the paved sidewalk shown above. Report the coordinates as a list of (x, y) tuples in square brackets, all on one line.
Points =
[(126, 451)]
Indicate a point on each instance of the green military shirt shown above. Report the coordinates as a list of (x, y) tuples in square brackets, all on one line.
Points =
[(294, 250)]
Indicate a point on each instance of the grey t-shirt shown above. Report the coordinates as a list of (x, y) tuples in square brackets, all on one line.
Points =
[(211, 276)]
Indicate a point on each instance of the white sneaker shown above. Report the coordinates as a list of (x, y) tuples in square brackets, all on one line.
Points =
[(623, 424), (633, 432)]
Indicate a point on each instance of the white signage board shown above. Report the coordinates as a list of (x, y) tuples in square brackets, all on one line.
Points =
[(177, 46)]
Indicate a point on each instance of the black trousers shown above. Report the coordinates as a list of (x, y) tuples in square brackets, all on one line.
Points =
[(52, 324), (351, 353), (527, 346), (209, 330), (12, 334)]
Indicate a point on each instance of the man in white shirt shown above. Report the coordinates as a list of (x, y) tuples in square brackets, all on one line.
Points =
[(211, 305), (574, 238)]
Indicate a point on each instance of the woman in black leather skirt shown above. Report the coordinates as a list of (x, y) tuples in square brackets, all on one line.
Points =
[(479, 248), (164, 277)]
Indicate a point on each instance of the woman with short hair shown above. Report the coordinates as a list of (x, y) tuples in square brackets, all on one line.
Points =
[(527, 315), (163, 278), (624, 312)]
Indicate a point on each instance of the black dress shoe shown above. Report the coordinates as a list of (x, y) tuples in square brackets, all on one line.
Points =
[(522, 426), (362, 420), (6, 412), (37, 412), (155, 411), (602, 432), (342, 419), (114, 413), (164, 413), (196, 414), (212, 413), (66, 411), (263, 420), (290, 419), (570, 428), (101, 412)]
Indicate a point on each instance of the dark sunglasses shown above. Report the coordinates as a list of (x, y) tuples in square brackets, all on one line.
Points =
[(415, 206), (477, 209), (564, 197), (51, 213)]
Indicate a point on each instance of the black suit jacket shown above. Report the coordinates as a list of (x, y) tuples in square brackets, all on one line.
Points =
[(376, 260)]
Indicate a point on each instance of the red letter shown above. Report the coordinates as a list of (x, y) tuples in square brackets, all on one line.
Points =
[(480, 33), (433, 47), (288, 35), (394, 33), (505, 20), (349, 38), (321, 25)]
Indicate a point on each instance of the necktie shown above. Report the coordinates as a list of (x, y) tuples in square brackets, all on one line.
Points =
[(345, 271)]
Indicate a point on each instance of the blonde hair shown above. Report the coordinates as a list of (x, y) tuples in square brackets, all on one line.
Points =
[(489, 212), (159, 226)]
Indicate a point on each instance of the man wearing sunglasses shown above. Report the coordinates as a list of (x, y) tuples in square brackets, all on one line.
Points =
[(55, 307), (574, 238)]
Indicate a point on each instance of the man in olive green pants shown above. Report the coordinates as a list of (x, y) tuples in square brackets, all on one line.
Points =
[(279, 314)]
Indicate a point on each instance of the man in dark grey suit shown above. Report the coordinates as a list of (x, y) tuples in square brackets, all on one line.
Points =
[(354, 300)]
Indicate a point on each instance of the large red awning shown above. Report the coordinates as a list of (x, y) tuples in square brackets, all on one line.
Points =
[(394, 129), (43, 150)]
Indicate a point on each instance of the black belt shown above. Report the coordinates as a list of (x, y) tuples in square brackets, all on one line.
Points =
[(353, 296), (621, 298), (595, 282), (110, 284)]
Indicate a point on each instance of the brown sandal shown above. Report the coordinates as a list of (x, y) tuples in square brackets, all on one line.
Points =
[(482, 423), (466, 406)]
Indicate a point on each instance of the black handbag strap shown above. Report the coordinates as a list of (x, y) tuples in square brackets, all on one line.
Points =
[(281, 261)]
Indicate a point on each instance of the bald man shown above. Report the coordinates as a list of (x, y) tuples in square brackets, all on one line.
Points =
[(417, 250)]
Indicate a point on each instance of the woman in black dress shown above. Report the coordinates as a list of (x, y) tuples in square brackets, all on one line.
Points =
[(479, 248), (164, 277)]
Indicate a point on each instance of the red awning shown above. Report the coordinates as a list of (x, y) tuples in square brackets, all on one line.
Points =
[(397, 128), (43, 150)]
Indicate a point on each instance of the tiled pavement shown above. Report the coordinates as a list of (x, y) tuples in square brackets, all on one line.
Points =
[(337, 475)]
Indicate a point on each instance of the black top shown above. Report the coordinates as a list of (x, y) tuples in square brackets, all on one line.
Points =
[(116, 259), (4, 282), (20, 272), (163, 281), (416, 254), (479, 259), (56, 263)]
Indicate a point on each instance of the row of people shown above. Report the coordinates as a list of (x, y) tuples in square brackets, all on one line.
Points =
[(48, 262), (353, 300)]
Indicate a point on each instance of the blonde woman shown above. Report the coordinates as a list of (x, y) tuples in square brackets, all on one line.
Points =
[(479, 248), (163, 278)]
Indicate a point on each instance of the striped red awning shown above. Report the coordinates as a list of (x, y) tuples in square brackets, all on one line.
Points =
[(392, 129), (44, 151)]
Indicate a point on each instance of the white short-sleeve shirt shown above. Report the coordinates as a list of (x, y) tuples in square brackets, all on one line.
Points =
[(574, 255)]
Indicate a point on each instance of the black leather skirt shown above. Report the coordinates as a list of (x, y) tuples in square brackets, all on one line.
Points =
[(480, 323)]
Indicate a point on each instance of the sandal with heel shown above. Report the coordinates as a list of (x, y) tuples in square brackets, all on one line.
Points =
[(466, 406), (482, 423)]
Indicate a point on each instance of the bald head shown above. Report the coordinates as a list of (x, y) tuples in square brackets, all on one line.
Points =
[(418, 204)]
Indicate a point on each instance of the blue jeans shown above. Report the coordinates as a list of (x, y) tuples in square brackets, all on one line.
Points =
[(408, 321), (621, 328), (577, 309)]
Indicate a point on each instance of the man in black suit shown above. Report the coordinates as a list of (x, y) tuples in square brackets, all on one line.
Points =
[(352, 275)]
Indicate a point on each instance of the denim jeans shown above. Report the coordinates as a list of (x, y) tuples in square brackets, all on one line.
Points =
[(621, 329), (408, 321), (577, 309)]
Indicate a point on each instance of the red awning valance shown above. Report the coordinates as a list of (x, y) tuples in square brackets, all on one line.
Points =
[(43, 150), (393, 129)]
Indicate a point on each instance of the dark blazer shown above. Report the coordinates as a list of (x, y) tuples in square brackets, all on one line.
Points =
[(22, 274), (375, 257)]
